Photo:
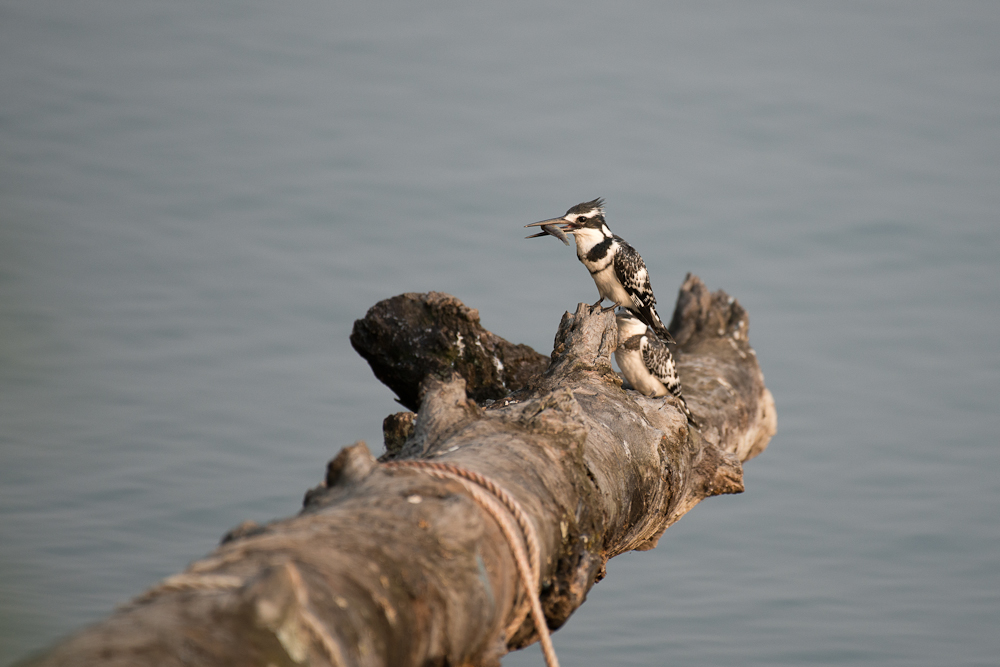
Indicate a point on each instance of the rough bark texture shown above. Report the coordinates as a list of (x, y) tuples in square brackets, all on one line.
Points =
[(393, 567), (408, 337)]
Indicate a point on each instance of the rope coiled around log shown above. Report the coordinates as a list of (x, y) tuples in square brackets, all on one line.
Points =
[(525, 549)]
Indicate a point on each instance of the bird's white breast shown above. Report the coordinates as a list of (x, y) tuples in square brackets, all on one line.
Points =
[(634, 369), (609, 287), (602, 269)]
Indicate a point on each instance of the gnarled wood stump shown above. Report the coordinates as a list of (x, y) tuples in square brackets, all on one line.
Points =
[(390, 567)]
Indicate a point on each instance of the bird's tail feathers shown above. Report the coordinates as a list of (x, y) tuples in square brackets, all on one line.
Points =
[(652, 319), (687, 411)]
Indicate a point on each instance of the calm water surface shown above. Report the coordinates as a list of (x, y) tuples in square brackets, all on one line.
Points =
[(198, 199)]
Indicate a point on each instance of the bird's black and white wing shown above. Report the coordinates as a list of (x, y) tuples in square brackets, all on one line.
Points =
[(632, 274), (660, 363)]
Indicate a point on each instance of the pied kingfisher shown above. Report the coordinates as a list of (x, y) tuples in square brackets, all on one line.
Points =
[(615, 266), (646, 362)]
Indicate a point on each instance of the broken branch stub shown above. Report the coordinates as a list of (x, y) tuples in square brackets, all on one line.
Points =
[(408, 337), (391, 566)]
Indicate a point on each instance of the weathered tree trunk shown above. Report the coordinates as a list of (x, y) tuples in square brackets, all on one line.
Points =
[(390, 566)]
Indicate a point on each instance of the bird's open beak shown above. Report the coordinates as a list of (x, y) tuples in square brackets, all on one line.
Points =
[(563, 224)]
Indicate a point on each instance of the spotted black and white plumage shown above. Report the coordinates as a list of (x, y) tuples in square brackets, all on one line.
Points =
[(616, 267), (646, 362)]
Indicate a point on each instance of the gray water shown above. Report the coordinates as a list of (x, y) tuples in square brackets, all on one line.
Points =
[(197, 199)]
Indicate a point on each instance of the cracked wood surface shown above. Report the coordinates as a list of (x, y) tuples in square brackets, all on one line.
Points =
[(394, 567)]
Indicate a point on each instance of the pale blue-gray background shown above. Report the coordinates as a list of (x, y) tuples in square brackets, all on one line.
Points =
[(198, 198)]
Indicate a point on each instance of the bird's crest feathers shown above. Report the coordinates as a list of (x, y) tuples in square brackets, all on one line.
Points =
[(588, 207)]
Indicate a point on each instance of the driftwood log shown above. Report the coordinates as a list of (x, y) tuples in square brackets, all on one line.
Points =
[(391, 567)]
